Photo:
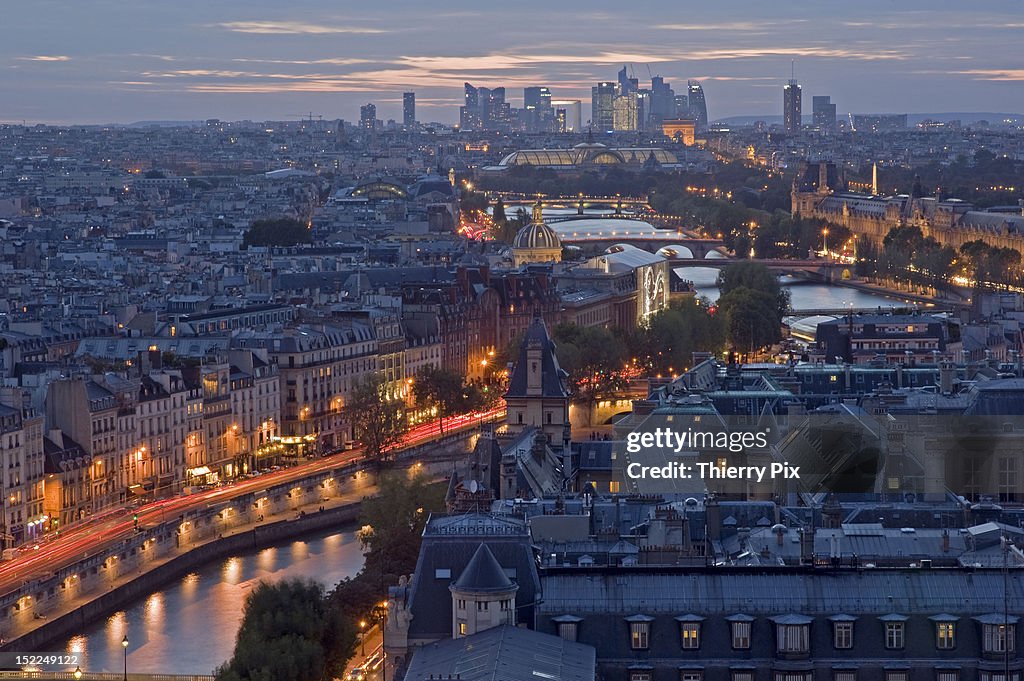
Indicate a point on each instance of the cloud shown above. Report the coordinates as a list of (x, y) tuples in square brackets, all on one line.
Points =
[(729, 26), (335, 61), (291, 28), (46, 57), (994, 74)]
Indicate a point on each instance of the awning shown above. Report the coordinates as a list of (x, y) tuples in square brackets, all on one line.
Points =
[(200, 470)]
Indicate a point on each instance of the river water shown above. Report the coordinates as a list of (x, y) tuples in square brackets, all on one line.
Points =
[(189, 627)]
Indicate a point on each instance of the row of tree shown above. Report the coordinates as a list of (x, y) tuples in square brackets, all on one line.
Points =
[(907, 256), (380, 420)]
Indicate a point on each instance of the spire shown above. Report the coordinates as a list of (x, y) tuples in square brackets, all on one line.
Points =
[(483, 573)]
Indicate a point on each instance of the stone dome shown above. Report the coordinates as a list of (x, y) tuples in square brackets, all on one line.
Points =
[(536, 234)]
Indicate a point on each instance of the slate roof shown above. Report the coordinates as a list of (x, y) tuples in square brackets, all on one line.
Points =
[(483, 574), (504, 654), (552, 375)]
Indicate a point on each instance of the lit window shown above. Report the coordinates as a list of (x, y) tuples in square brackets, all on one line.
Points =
[(945, 635), (691, 635), (613, 487), (639, 676), (691, 676), (639, 634), (462, 629)]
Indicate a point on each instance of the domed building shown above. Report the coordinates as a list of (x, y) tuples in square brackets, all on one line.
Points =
[(536, 242)]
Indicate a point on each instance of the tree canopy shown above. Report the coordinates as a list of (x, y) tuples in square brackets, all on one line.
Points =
[(377, 417), (289, 632)]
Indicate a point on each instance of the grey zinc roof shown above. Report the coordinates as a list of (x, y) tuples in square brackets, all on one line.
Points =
[(777, 592), (483, 574), (504, 654)]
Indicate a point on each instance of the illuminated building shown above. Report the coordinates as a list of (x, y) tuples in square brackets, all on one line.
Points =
[(824, 113), (791, 106), (683, 129), (696, 104), (368, 117), (409, 110), (536, 242), (602, 115), (625, 112)]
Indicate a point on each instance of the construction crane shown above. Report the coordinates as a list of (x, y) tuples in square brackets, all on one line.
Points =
[(309, 117)]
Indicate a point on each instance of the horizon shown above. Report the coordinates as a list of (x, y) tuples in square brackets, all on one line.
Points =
[(264, 62)]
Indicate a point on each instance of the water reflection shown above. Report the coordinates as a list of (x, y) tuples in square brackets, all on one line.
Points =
[(189, 627)]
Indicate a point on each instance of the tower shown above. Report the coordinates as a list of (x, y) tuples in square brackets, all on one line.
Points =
[(602, 106), (791, 106), (698, 106), (483, 596), (537, 395), (409, 110)]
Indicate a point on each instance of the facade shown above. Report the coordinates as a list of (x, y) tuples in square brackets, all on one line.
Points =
[(791, 107), (589, 155), (860, 338), (824, 113), (21, 476), (697, 106), (879, 122), (798, 624), (818, 193), (626, 112), (409, 110), (602, 102), (368, 117)]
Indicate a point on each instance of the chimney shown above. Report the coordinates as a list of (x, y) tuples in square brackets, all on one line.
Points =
[(946, 373), (945, 541)]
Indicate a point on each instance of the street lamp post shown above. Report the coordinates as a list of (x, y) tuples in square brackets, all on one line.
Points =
[(362, 638), (824, 237), (124, 644)]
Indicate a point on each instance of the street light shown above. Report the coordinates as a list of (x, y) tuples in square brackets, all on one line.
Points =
[(124, 644), (78, 673), (824, 236), (362, 637)]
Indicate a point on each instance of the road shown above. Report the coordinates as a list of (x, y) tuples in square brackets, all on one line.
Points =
[(103, 530)]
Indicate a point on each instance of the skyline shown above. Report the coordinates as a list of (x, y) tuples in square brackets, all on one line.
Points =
[(262, 61)]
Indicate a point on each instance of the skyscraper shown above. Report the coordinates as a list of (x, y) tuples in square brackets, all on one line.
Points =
[(602, 105), (663, 102), (573, 114), (627, 84), (824, 113), (469, 113), (537, 107), (698, 106), (625, 112), (409, 110), (368, 117), (791, 107)]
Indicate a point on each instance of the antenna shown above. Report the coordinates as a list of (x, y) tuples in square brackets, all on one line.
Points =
[(792, 69)]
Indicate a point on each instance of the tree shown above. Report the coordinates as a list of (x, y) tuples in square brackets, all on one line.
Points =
[(593, 357), (277, 232), (667, 345), (378, 417), (440, 388), (757, 277), (289, 632), (752, 318)]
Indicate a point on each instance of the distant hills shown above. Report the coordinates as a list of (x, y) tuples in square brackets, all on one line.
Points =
[(912, 118)]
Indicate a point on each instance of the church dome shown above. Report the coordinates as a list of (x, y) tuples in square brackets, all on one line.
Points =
[(536, 234)]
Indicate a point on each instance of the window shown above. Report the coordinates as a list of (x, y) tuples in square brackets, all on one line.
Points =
[(691, 676), (997, 676), (691, 635), (894, 635), (568, 631), (639, 676), (742, 676), (945, 635), (462, 628), (793, 676), (638, 635), (442, 573), (741, 635), (949, 675), (842, 635), (793, 638), (999, 638), (896, 676), (844, 676), (613, 487)]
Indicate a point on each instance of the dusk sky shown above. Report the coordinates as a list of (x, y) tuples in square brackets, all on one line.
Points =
[(101, 61)]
